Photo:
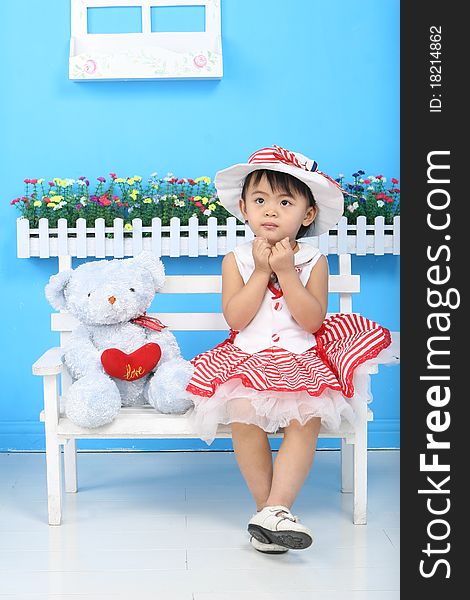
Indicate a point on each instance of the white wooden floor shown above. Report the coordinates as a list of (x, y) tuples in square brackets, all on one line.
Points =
[(172, 526)]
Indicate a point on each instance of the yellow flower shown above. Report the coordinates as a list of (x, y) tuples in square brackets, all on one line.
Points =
[(205, 200), (40, 181), (37, 203), (51, 204), (147, 200), (128, 227), (119, 180), (197, 198), (204, 179), (212, 206), (134, 194), (219, 202), (131, 181), (137, 178), (58, 198)]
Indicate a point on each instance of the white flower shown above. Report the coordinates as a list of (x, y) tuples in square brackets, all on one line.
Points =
[(356, 204), (341, 175), (207, 212), (380, 203), (80, 182), (361, 180), (371, 187), (351, 208), (384, 179), (153, 174)]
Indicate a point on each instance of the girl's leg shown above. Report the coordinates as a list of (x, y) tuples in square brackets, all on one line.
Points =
[(293, 462), (254, 457)]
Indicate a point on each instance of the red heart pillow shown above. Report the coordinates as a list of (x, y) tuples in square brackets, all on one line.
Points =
[(131, 366)]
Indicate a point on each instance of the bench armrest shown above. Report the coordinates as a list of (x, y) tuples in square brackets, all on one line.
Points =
[(50, 362)]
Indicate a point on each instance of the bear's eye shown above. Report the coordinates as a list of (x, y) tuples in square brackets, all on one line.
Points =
[(132, 289), (89, 294)]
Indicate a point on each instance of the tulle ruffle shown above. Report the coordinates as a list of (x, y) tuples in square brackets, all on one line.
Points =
[(272, 411)]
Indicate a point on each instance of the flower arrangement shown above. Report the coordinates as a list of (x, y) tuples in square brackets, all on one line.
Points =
[(370, 197), (126, 198), (129, 198)]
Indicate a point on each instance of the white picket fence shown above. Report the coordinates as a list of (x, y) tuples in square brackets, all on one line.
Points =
[(185, 240)]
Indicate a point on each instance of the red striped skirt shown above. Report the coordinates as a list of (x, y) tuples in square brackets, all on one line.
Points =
[(344, 342)]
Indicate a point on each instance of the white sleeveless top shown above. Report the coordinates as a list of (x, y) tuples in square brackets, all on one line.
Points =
[(273, 324)]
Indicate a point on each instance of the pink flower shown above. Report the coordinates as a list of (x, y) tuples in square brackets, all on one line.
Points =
[(380, 196), (102, 179), (367, 181), (78, 206), (33, 181), (89, 66), (27, 180), (113, 175), (200, 61), (51, 183), (395, 181)]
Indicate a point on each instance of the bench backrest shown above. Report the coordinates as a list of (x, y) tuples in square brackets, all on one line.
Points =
[(344, 283)]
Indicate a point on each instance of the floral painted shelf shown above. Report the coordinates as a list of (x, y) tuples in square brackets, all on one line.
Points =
[(193, 239)]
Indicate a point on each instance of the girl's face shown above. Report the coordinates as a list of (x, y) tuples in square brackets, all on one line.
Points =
[(275, 215)]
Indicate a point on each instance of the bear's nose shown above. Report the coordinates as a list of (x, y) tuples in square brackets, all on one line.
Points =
[(112, 299)]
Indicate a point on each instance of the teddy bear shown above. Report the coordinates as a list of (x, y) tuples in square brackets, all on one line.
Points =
[(117, 355)]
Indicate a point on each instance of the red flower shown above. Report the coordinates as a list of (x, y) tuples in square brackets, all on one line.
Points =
[(115, 198), (78, 206), (191, 182), (378, 176), (104, 200), (395, 181), (388, 199), (367, 181), (119, 204), (15, 201), (379, 196), (113, 175), (199, 204), (27, 181), (397, 190), (33, 181), (126, 203), (51, 183), (191, 198), (47, 200), (180, 180)]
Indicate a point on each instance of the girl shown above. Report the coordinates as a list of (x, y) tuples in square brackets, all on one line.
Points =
[(285, 367)]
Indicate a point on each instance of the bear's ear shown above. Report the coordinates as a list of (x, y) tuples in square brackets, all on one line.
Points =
[(154, 265), (55, 289)]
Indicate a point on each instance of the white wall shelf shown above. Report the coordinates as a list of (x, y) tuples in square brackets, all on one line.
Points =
[(146, 55)]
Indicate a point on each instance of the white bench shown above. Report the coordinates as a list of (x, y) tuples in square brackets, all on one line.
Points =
[(145, 422)]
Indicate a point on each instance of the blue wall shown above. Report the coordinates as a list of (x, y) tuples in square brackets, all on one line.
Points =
[(318, 77)]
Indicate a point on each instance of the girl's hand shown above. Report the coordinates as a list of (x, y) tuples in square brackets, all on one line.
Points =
[(282, 257), (261, 254)]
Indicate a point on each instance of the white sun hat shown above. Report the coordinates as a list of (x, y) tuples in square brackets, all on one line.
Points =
[(328, 193)]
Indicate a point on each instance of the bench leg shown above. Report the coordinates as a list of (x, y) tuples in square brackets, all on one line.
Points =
[(347, 466), (360, 470), (53, 458), (70, 465)]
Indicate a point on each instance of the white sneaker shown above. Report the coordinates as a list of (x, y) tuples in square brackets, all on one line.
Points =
[(267, 548), (284, 530)]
